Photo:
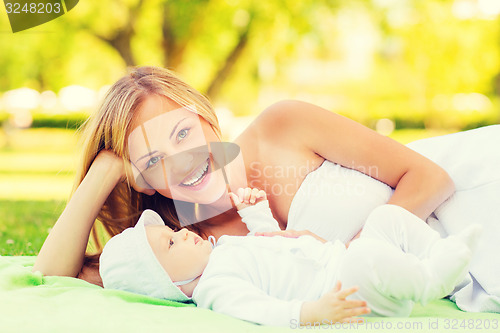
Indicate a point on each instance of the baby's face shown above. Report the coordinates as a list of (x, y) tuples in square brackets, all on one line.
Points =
[(183, 254)]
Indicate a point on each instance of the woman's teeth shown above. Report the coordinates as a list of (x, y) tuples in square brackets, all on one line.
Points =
[(197, 178)]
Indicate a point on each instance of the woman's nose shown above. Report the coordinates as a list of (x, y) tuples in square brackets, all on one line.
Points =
[(184, 163), (181, 162)]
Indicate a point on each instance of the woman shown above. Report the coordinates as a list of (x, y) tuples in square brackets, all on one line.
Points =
[(287, 142)]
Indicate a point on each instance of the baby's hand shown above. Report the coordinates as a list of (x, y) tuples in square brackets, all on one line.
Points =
[(247, 197), (333, 307)]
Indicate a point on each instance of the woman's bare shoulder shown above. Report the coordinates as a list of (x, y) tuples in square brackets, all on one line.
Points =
[(282, 120), (285, 111)]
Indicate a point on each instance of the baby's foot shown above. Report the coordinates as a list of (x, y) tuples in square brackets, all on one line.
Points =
[(448, 262), (469, 236)]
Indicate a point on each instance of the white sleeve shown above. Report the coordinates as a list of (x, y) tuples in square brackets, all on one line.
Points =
[(241, 299), (259, 218)]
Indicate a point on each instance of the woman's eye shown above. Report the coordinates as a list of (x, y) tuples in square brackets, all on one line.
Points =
[(182, 134), (152, 161)]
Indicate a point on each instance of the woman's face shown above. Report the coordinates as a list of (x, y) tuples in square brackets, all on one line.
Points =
[(169, 150)]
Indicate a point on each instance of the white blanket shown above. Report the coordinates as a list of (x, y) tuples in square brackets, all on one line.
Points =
[(472, 159)]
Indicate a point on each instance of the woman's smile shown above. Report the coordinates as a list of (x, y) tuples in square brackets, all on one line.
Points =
[(197, 176)]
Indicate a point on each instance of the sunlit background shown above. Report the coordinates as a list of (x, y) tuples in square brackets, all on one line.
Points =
[(406, 68)]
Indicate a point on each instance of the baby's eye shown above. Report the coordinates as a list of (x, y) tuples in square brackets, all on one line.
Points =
[(182, 134), (171, 242), (153, 161)]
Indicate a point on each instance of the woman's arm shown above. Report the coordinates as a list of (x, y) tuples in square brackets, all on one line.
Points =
[(63, 251), (420, 184)]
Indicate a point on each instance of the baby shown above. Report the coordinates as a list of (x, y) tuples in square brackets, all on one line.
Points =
[(396, 261)]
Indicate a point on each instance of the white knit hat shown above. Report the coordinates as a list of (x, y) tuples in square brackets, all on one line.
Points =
[(128, 263)]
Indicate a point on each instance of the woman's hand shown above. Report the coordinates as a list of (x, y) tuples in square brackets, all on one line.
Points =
[(109, 161), (290, 234), (333, 307)]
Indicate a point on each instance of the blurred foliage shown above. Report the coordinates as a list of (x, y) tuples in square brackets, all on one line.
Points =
[(405, 60), (70, 121)]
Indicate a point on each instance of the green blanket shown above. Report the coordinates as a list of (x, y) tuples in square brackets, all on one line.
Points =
[(35, 303)]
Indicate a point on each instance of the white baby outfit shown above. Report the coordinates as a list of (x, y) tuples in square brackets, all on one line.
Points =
[(334, 202), (266, 279)]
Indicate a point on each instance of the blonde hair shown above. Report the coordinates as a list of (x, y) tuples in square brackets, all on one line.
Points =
[(109, 127)]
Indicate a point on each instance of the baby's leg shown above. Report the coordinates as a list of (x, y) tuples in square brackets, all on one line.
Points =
[(390, 295), (444, 262), (399, 227)]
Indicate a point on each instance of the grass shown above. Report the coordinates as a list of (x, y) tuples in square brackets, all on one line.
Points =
[(25, 224), (36, 175)]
